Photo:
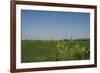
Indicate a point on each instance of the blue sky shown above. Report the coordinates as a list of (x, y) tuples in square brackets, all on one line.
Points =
[(45, 25)]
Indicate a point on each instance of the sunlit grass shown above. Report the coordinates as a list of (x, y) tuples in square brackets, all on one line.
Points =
[(55, 50)]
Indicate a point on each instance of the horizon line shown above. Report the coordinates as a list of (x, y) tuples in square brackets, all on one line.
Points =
[(57, 39)]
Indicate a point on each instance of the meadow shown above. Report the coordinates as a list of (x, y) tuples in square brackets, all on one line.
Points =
[(54, 50)]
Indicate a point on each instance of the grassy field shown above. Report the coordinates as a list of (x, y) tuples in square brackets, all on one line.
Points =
[(54, 50)]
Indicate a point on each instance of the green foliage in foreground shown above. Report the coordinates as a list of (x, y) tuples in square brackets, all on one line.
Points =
[(51, 50)]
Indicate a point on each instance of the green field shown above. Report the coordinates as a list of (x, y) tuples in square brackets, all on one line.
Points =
[(54, 50)]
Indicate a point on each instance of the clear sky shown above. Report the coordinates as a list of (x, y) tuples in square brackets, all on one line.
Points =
[(45, 25)]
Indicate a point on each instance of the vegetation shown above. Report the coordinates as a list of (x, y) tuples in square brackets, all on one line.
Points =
[(55, 50)]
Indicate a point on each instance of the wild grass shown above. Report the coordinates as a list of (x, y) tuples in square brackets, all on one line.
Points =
[(54, 50)]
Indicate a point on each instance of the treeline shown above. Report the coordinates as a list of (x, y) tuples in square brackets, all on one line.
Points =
[(86, 39)]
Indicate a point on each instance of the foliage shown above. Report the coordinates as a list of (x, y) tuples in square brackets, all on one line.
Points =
[(55, 50)]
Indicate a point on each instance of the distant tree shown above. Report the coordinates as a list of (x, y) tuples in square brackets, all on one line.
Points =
[(65, 39)]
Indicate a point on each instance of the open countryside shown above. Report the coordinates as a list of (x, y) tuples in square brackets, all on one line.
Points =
[(54, 36)]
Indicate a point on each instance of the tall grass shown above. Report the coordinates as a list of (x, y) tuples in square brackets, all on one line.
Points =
[(55, 50)]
